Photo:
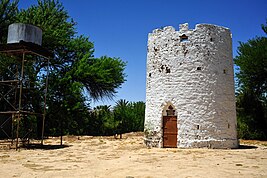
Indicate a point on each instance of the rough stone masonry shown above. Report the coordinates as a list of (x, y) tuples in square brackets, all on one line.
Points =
[(190, 72)]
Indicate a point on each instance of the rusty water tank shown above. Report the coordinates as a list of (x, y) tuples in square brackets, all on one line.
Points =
[(24, 32)]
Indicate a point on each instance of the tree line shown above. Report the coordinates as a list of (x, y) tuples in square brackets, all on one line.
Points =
[(124, 117)]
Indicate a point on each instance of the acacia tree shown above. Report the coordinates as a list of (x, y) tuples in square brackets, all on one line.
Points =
[(74, 60), (8, 12), (74, 70), (252, 88)]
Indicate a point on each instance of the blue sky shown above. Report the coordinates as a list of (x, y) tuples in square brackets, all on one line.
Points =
[(119, 28)]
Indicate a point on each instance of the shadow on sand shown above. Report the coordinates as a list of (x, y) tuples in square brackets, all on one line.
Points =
[(44, 147), (246, 147)]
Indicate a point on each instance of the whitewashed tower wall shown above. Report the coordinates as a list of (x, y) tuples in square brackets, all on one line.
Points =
[(192, 70)]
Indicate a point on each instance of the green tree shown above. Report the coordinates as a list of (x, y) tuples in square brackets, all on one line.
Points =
[(74, 60), (251, 116), (138, 109), (122, 115), (252, 88), (101, 121), (8, 12), (8, 15), (130, 116), (76, 76)]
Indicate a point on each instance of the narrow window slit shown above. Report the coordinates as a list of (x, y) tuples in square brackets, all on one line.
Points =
[(183, 38)]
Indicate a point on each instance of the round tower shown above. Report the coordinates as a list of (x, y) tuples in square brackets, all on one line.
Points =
[(190, 100)]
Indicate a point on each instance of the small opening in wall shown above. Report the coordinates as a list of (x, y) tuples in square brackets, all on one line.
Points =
[(149, 74), (183, 38), (224, 71), (228, 125), (168, 70), (211, 39), (197, 127), (198, 68)]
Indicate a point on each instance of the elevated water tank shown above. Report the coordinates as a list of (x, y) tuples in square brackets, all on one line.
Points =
[(24, 32)]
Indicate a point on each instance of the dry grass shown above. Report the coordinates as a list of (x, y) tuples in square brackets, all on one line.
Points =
[(253, 142)]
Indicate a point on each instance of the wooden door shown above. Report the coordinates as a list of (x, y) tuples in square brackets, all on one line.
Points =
[(170, 131)]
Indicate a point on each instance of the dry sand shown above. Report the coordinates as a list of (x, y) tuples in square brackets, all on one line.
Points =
[(86, 156)]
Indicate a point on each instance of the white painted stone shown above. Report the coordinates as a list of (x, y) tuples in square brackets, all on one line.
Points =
[(202, 97)]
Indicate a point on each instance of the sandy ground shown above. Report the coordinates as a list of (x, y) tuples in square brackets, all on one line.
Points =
[(86, 156)]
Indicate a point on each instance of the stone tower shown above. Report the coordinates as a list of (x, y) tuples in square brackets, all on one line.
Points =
[(190, 100)]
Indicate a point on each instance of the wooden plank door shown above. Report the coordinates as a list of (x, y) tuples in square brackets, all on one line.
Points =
[(170, 131)]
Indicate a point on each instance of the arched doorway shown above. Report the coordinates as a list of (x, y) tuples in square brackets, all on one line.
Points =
[(170, 128)]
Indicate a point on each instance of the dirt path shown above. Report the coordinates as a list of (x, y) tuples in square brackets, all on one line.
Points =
[(108, 157)]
